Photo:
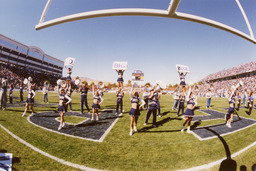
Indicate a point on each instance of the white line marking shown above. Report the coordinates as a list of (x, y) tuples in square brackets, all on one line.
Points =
[(231, 132), (89, 139), (48, 155)]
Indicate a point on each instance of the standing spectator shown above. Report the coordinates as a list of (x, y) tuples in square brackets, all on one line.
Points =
[(209, 99), (45, 93), (250, 102), (3, 94), (21, 92), (176, 97), (11, 93)]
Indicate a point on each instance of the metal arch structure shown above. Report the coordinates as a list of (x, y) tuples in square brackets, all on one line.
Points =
[(171, 12)]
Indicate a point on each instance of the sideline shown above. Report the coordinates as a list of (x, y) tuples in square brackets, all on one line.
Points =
[(77, 166)]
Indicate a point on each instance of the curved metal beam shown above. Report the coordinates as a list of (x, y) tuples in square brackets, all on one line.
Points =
[(143, 12)]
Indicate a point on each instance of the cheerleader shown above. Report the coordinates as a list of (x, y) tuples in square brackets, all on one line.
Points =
[(11, 93), (157, 96), (182, 79), (30, 100), (120, 79), (250, 102), (97, 100), (135, 110), (238, 100), (152, 108), (69, 77), (119, 100), (231, 109), (182, 98), (61, 108), (84, 90), (189, 114)]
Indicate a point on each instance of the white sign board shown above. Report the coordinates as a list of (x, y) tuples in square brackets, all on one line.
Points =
[(6, 161), (119, 65), (69, 62), (182, 68)]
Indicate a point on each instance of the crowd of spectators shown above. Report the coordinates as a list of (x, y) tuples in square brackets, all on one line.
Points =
[(16, 76), (241, 69), (220, 86)]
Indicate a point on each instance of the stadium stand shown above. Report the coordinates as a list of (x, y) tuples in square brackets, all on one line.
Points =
[(223, 80), (19, 61)]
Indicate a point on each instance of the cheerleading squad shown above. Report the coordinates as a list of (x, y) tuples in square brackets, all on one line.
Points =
[(150, 101)]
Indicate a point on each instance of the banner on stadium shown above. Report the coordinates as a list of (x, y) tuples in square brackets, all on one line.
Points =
[(6, 161), (137, 75), (182, 68), (69, 62), (119, 65)]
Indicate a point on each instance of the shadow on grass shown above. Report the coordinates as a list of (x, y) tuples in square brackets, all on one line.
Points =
[(160, 123), (227, 164), (165, 113), (196, 124), (93, 123)]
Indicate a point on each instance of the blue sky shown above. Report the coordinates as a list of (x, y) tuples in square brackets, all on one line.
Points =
[(151, 44)]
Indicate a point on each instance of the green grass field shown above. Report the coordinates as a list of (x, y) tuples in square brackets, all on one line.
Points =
[(161, 148)]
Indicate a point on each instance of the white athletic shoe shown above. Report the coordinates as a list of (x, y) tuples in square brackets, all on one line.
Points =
[(59, 127), (135, 129), (130, 133), (63, 125), (97, 118), (92, 119), (145, 124), (188, 130), (23, 114), (182, 130), (229, 125)]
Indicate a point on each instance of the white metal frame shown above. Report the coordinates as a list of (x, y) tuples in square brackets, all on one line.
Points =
[(170, 13)]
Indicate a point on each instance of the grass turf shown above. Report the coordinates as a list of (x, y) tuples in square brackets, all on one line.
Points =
[(161, 148)]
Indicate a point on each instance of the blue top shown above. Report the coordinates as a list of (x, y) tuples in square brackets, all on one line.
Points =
[(152, 102), (191, 101), (84, 91), (119, 96)]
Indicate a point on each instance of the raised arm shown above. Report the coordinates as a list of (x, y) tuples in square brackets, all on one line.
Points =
[(34, 94), (188, 93), (69, 99), (101, 100), (142, 101)]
